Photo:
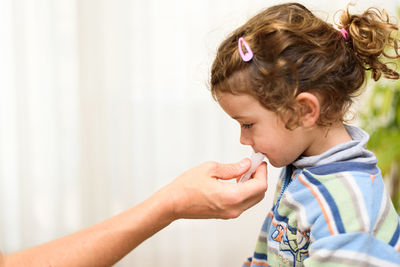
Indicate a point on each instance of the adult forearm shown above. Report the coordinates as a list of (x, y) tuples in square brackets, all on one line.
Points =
[(102, 244)]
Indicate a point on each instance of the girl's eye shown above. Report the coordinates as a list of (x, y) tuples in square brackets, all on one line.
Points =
[(247, 125)]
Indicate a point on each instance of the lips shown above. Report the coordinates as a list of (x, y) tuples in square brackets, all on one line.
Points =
[(258, 151)]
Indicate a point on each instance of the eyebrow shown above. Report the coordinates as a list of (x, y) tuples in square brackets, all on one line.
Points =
[(238, 117)]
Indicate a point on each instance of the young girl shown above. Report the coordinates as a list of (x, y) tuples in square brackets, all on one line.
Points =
[(288, 78)]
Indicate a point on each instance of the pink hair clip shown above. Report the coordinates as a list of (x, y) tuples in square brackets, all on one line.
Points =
[(344, 33), (249, 54)]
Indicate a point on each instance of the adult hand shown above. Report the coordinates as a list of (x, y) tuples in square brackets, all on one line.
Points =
[(199, 192)]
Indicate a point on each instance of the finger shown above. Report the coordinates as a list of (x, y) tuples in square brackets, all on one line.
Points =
[(261, 173), (252, 175), (252, 191), (253, 200), (257, 185), (230, 171)]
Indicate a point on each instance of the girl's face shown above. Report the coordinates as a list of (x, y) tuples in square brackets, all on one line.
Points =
[(263, 130)]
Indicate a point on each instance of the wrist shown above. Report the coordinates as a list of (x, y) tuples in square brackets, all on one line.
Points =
[(164, 204)]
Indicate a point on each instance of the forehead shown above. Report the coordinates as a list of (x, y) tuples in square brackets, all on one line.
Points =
[(239, 105), (235, 99)]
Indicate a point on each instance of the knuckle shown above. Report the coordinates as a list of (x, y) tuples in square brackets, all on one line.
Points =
[(261, 197), (235, 213), (230, 207), (262, 186), (265, 187)]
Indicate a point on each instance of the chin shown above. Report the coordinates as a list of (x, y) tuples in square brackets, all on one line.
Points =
[(277, 164)]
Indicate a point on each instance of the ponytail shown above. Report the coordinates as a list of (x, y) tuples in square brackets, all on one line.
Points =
[(373, 39)]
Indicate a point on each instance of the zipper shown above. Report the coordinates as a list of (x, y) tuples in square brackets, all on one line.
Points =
[(286, 182)]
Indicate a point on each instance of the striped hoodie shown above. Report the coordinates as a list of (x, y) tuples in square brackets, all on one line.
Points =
[(331, 210)]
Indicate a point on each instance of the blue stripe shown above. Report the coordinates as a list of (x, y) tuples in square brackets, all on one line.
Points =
[(280, 218), (344, 167), (267, 224), (260, 256), (329, 199), (395, 236)]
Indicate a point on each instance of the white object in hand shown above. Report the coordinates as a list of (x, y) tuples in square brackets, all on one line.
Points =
[(256, 159)]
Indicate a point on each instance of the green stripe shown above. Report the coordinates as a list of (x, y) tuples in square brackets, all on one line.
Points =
[(343, 200), (389, 225), (286, 211), (261, 247)]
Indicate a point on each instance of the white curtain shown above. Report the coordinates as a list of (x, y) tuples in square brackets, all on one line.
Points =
[(102, 102)]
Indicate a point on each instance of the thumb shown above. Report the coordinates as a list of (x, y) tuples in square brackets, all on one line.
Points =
[(232, 170)]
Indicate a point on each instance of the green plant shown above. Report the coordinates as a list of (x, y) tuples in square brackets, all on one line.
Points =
[(381, 119)]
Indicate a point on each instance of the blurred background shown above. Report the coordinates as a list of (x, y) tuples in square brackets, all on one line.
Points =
[(102, 102)]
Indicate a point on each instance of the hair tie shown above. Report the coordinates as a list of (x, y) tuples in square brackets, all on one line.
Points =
[(249, 54), (344, 33)]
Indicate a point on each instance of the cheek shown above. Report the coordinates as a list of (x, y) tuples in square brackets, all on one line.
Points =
[(278, 147), (270, 137), (268, 143)]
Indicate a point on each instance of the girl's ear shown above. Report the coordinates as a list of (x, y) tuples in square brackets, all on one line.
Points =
[(309, 108)]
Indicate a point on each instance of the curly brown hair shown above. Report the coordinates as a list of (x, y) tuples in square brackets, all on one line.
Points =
[(295, 52)]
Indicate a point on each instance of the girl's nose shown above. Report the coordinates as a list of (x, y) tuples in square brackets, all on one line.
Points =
[(245, 140)]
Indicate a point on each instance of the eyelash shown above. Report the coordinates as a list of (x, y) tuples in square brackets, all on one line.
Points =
[(247, 125)]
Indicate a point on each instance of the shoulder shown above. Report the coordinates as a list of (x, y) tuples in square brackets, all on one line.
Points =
[(348, 200), (344, 200)]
